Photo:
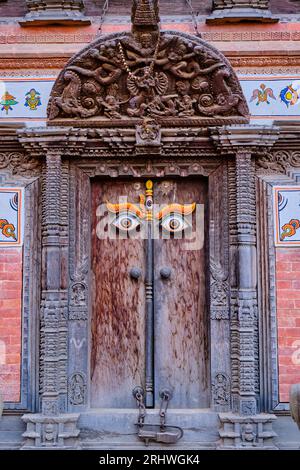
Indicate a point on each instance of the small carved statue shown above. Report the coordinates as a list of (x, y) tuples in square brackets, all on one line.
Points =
[(185, 106), (49, 435), (248, 435), (149, 130), (221, 390), (77, 390), (111, 107), (78, 294)]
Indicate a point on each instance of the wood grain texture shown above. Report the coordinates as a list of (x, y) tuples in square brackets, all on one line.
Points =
[(181, 324), (117, 357), (118, 323)]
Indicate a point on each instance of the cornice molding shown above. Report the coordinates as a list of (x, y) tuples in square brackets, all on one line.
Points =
[(244, 138)]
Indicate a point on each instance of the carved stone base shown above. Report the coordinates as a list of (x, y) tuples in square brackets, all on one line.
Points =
[(51, 432), (234, 15), (57, 17), (246, 432)]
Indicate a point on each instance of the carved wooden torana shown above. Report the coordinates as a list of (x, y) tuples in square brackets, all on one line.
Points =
[(172, 77)]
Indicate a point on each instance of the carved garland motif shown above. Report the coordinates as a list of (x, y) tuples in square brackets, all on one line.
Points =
[(20, 164), (278, 162)]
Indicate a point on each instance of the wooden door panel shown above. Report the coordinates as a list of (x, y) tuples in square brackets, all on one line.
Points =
[(181, 333), (118, 304), (118, 321)]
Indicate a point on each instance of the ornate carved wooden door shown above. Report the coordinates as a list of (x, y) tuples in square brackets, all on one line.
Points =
[(122, 294)]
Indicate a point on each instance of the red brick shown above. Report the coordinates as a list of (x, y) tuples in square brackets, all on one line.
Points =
[(296, 267), (285, 284), (285, 361), (286, 304), (285, 276), (287, 255), (12, 268), (284, 266), (289, 294), (11, 303), (291, 332), (13, 284), (12, 276), (9, 294), (287, 320), (10, 259), (10, 321)]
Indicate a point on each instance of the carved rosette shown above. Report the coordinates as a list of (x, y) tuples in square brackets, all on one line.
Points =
[(168, 76)]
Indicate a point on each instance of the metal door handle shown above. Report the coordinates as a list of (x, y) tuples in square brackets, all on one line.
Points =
[(135, 273), (165, 273)]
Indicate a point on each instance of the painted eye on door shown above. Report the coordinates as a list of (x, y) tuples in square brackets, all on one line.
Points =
[(175, 223), (126, 222)]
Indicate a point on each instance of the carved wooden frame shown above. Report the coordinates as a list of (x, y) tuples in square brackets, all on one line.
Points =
[(81, 173), (268, 333), (12, 175)]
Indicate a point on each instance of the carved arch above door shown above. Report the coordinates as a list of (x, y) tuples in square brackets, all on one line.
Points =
[(172, 77)]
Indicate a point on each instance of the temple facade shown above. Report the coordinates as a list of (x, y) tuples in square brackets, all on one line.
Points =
[(150, 224)]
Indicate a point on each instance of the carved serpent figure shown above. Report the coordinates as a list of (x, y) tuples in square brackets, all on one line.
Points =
[(70, 101)]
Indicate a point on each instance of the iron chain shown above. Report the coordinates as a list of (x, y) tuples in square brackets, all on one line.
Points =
[(165, 398), (142, 409), (194, 17), (103, 15)]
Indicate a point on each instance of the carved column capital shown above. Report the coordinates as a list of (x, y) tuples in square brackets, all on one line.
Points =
[(233, 11), (253, 139), (62, 12), (42, 141)]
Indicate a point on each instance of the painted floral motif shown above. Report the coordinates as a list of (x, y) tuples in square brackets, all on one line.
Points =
[(289, 230), (287, 206), (289, 95), (7, 101), (262, 95), (32, 99), (7, 229), (11, 216)]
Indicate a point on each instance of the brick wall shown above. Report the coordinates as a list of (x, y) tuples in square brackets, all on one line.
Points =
[(288, 318), (10, 322)]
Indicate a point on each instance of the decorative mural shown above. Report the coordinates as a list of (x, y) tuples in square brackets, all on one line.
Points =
[(272, 97), (262, 94), (287, 215), (7, 102), (289, 94), (24, 98), (268, 97), (11, 217), (33, 99)]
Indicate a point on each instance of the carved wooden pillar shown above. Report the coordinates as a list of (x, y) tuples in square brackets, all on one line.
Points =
[(244, 353), (53, 322), (53, 428), (244, 427), (228, 11), (63, 12)]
